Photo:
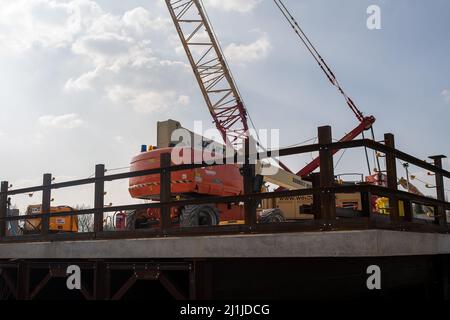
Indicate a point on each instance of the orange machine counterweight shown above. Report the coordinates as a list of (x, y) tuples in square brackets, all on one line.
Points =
[(222, 180)]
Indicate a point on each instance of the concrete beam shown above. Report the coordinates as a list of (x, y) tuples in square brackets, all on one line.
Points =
[(367, 243)]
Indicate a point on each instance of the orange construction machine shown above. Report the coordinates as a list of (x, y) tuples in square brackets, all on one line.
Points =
[(223, 180)]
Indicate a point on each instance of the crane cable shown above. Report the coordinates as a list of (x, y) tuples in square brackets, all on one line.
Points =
[(367, 156), (378, 164), (317, 56), (325, 68)]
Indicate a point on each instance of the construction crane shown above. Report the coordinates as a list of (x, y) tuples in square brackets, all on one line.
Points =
[(212, 72)]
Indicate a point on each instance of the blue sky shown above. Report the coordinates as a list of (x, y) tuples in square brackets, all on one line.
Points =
[(84, 82)]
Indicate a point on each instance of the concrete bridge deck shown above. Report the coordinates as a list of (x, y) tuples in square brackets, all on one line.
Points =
[(366, 243)]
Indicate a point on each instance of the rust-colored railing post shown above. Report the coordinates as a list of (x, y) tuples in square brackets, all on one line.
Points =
[(328, 200), (46, 203), (366, 204), (3, 207), (249, 173), (392, 182), (441, 216), (99, 197), (316, 209), (165, 195), (408, 209), (250, 206)]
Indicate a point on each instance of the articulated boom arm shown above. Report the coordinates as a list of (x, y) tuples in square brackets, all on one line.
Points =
[(210, 68), (409, 186), (365, 124)]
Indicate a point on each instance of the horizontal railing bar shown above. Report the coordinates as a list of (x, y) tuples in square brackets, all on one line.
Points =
[(59, 185), (403, 195), (226, 199), (118, 176), (314, 147), (376, 190), (262, 155), (406, 157)]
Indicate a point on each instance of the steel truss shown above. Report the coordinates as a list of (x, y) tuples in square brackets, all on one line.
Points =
[(211, 69)]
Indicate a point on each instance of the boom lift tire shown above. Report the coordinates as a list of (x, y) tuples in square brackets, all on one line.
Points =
[(271, 216), (199, 215)]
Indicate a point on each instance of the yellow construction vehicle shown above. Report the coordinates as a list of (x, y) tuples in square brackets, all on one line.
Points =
[(382, 204), (56, 224)]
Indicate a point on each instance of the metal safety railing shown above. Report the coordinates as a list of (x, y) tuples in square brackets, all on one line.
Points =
[(323, 192)]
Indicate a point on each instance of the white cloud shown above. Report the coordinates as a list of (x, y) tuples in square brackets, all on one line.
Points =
[(146, 101), (142, 101), (124, 57), (184, 100), (84, 82), (140, 21), (37, 138), (124, 66), (66, 121), (233, 5), (104, 45), (446, 95), (112, 44), (243, 53), (59, 22), (119, 139)]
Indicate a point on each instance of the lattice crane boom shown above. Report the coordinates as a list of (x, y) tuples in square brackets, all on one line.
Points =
[(211, 69)]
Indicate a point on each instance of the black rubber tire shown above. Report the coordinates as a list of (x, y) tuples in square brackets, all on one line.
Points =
[(199, 215), (271, 216)]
